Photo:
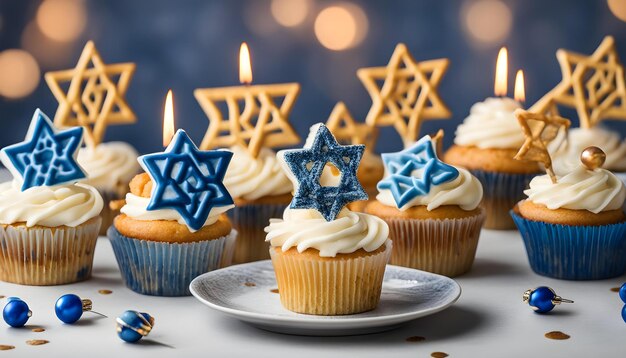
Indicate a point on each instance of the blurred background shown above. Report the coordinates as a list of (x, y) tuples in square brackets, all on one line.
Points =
[(191, 44)]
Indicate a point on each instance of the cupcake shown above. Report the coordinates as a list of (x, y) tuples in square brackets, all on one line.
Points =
[(485, 144), (574, 228), (432, 210), (49, 223), (261, 191), (172, 227), (109, 166), (328, 260)]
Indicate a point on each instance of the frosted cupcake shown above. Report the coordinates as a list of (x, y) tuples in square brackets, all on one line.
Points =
[(172, 227), (110, 167), (575, 229), (432, 210), (48, 223), (485, 144), (328, 260)]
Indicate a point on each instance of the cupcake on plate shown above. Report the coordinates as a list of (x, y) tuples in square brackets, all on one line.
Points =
[(172, 227), (48, 223), (485, 144), (328, 260), (574, 227), (432, 210)]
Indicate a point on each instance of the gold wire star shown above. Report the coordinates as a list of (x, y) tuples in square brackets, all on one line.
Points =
[(539, 130), (95, 96), (348, 131), (261, 123), (408, 93), (594, 85)]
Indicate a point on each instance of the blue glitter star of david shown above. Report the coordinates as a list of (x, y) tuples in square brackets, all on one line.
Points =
[(47, 156), (307, 165), (400, 167), (187, 179)]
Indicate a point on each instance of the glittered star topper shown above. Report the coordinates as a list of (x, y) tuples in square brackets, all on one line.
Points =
[(187, 179), (593, 85), (305, 167), (539, 130), (262, 122), (408, 93), (95, 95), (47, 157), (347, 130), (413, 171)]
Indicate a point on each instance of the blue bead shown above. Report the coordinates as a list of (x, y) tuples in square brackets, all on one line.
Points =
[(69, 308), (624, 313), (133, 325), (541, 299), (16, 312), (622, 293)]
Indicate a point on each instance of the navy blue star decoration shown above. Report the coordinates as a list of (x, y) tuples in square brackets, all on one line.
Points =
[(420, 157), (47, 157), (187, 179), (307, 165)]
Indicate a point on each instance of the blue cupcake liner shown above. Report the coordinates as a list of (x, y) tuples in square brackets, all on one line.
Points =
[(571, 252), (162, 268)]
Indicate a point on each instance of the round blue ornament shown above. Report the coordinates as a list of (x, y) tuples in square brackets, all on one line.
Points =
[(16, 312), (543, 299), (69, 308), (622, 293), (133, 325)]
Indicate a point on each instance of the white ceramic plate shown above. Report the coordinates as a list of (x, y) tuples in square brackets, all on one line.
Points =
[(407, 294)]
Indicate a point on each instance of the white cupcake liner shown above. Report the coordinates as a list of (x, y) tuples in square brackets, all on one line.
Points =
[(47, 256)]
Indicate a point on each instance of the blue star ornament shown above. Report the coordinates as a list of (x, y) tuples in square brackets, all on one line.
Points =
[(413, 171), (187, 179), (306, 166), (47, 157)]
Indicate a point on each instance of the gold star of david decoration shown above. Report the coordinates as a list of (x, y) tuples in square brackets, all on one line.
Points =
[(593, 85), (255, 117), (348, 131), (408, 93), (539, 130), (95, 95)]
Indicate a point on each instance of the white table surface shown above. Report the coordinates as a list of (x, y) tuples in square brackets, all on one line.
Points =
[(489, 320)]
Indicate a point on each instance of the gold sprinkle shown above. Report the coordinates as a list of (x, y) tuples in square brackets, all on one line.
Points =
[(415, 339), (438, 355), (2, 296), (615, 289), (105, 292), (6, 347), (249, 284), (558, 335), (37, 342), (38, 329), (274, 290)]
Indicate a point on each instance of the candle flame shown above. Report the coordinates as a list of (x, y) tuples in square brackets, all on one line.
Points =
[(168, 119), (500, 85), (520, 88), (245, 67)]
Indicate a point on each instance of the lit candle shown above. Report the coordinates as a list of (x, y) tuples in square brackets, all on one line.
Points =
[(245, 65), (502, 67), (168, 119), (520, 91)]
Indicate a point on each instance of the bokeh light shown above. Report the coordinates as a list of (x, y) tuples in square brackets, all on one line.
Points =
[(618, 8), (341, 26), (19, 73), (488, 22), (49, 54), (62, 20), (290, 13)]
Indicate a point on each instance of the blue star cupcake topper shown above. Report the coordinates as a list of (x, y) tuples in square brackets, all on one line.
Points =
[(306, 166), (47, 157), (412, 172), (187, 179)]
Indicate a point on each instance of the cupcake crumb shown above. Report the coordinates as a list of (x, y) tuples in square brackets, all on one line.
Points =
[(105, 292), (615, 289), (6, 347), (438, 355), (415, 339), (37, 342), (38, 329), (558, 335), (274, 290), (249, 284)]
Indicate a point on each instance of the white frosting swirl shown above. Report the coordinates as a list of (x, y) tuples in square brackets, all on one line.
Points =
[(306, 228), (491, 124), (136, 208), (567, 157), (51, 206), (109, 166), (593, 190), (464, 191), (252, 178)]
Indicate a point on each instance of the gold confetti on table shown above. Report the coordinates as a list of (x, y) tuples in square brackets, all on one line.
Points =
[(6, 347), (615, 289), (274, 290), (37, 342), (557, 335), (105, 292), (249, 284), (38, 329), (438, 355)]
